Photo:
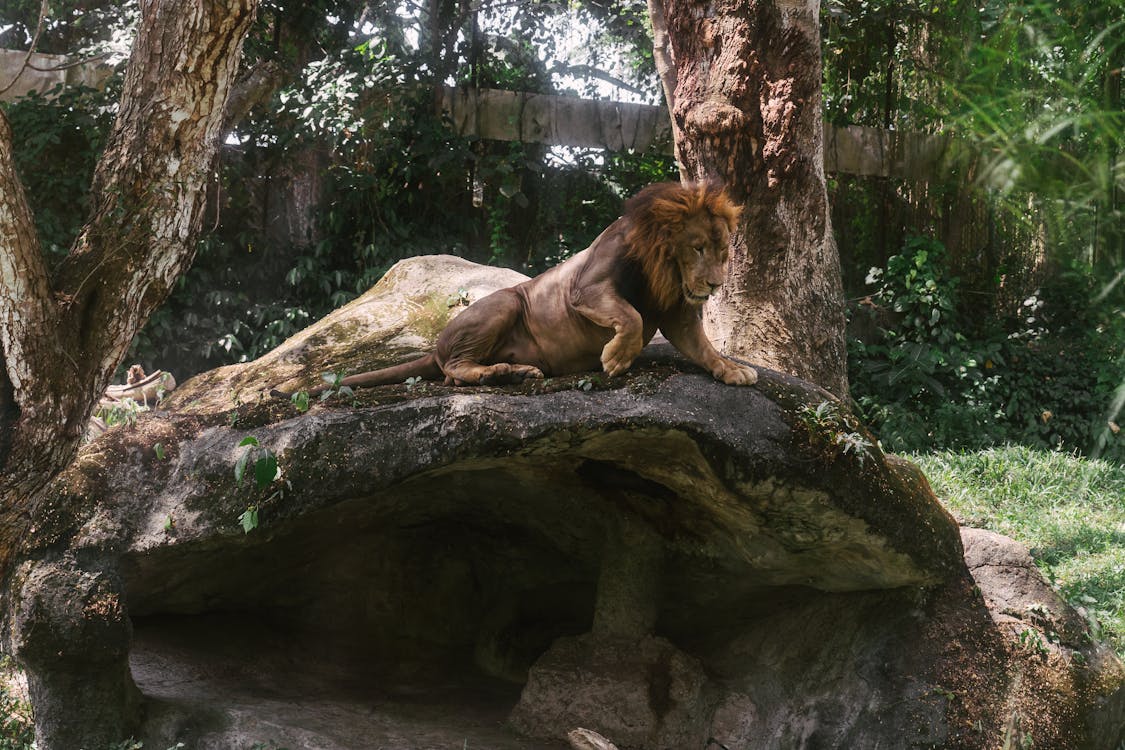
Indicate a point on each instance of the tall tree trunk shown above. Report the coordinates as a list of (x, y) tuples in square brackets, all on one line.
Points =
[(62, 337), (747, 113)]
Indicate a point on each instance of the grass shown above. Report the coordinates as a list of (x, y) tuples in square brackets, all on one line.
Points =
[(1068, 510)]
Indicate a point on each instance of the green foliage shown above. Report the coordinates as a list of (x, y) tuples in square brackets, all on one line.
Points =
[(1030, 202), (249, 519), (886, 60), (916, 288), (929, 378), (909, 378), (1065, 508), (1041, 96), (300, 400), (55, 144), (267, 476), (335, 386), (17, 731), (833, 431), (263, 461), (585, 384), (359, 122), (123, 412), (1031, 640)]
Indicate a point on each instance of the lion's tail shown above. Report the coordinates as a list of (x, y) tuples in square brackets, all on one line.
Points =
[(424, 367)]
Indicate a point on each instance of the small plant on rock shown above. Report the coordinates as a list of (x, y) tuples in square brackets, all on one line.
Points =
[(266, 473), (300, 400), (831, 430), (334, 380), (123, 412), (587, 384)]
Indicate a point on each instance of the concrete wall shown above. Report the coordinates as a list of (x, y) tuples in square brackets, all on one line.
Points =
[(566, 121), (41, 73)]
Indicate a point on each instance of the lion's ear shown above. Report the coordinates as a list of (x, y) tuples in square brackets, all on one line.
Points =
[(734, 216), (722, 206)]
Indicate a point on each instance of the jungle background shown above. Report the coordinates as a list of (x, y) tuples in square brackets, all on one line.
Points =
[(986, 303)]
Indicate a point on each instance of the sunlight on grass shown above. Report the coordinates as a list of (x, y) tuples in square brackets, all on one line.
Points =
[(1070, 511)]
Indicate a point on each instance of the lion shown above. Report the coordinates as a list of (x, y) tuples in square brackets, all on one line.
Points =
[(651, 269)]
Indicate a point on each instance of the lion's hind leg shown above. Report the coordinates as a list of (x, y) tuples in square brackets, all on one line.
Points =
[(501, 373), (483, 345)]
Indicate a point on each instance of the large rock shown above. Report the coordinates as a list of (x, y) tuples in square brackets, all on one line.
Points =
[(661, 558)]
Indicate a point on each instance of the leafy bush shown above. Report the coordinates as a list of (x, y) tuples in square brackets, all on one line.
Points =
[(17, 732), (930, 378), (57, 139), (920, 381)]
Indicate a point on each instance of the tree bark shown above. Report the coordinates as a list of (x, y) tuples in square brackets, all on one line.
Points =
[(666, 69), (747, 113), (62, 337)]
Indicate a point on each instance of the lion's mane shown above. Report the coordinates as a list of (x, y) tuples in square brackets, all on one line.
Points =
[(656, 217)]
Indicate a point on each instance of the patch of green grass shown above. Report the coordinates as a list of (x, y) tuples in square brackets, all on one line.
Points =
[(1068, 510)]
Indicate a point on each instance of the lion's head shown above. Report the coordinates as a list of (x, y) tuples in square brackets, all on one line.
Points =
[(681, 237)]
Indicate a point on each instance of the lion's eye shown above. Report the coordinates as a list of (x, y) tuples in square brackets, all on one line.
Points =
[(698, 249)]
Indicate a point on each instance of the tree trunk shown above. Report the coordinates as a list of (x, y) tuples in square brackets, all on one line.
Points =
[(62, 337), (747, 113)]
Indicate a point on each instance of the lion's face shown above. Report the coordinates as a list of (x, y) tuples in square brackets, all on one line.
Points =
[(701, 253), (680, 234)]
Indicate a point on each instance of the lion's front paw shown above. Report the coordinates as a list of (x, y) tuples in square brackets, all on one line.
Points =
[(619, 354), (733, 373)]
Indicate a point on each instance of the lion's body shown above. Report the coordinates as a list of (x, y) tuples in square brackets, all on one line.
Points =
[(651, 269), (537, 323)]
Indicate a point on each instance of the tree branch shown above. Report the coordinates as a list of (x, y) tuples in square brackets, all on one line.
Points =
[(150, 185), (28, 315), (31, 48), (589, 71), (255, 87), (666, 68)]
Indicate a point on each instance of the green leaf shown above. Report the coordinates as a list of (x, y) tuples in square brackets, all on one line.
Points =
[(265, 469), (159, 450), (240, 467), (248, 440), (249, 519)]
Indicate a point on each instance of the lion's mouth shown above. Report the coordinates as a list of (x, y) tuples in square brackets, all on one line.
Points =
[(691, 296)]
